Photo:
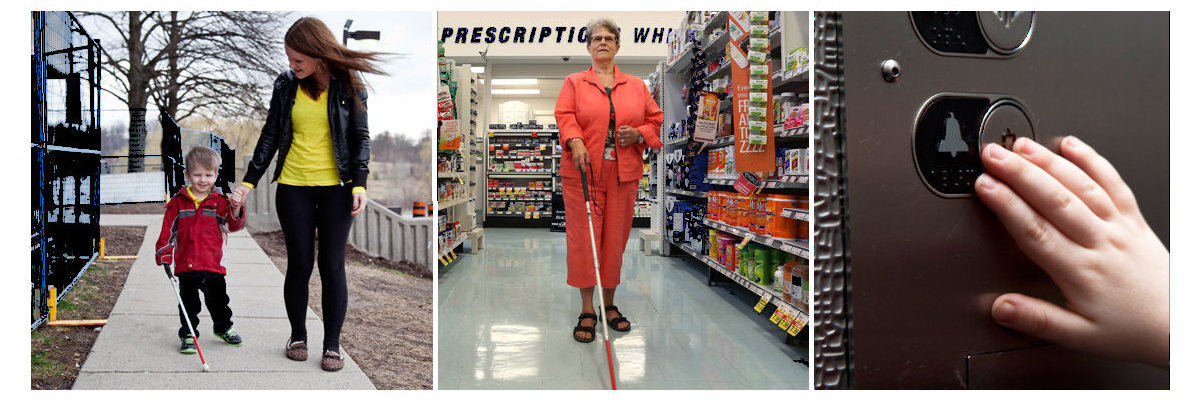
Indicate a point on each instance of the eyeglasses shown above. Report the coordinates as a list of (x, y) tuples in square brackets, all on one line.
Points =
[(600, 39)]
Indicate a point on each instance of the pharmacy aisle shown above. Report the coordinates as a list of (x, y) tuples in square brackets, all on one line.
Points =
[(504, 317), (506, 310)]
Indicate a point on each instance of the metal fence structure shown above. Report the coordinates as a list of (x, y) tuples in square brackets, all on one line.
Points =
[(158, 182), (378, 231), (65, 147)]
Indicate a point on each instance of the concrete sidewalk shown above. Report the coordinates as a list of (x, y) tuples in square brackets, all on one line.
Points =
[(139, 347)]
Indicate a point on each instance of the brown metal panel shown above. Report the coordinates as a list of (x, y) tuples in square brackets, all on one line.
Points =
[(1053, 367), (923, 269)]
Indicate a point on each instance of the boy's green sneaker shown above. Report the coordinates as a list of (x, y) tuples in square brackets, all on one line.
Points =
[(230, 337), (187, 345)]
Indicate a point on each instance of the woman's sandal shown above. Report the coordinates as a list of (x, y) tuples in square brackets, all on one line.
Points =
[(297, 350), (332, 361), (588, 329), (612, 323)]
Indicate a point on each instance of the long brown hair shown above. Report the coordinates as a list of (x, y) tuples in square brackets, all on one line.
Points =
[(311, 37)]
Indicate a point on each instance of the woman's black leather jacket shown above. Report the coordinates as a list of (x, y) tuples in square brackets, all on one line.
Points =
[(347, 126)]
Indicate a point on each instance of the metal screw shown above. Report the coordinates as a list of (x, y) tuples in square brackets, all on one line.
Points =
[(891, 70)]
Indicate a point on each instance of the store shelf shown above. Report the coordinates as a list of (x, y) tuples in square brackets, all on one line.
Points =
[(717, 21), (689, 193), (776, 37), (452, 175), (717, 46), (516, 213), (720, 72), (795, 213), (786, 182), (444, 204), (443, 252), (684, 62), (796, 81), (676, 141), (528, 188), (511, 198), (721, 142), (794, 247), (521, 157), (757, 289), (787, 133), (521, 132), (495, 173), (521, 145)]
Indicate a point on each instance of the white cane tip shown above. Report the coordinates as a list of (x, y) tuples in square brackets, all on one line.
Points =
[(205, 367)]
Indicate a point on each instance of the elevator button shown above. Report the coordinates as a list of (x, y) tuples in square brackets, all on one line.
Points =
[(946, 143), (1006, 31), (1004, 123)]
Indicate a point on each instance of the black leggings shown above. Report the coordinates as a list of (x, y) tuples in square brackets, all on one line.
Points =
[(305, 211)]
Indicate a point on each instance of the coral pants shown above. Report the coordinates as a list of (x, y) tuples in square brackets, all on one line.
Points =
[(612, 217)]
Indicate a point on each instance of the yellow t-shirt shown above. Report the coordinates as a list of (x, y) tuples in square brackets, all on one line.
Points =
[(310, 160), (195, 199)]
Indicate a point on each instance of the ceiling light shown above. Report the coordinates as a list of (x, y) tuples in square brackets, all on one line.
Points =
[(514, 82), (477, 70), (516, 91)]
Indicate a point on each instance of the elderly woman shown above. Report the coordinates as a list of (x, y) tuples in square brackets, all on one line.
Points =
[(606, 119)]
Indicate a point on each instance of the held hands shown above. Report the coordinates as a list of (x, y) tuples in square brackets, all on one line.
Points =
[(238, 198), (239, 195), (1075, 217), (360, 204), (627, 135)]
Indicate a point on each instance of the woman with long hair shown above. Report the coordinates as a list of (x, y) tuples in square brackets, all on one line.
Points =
[(317, 121)]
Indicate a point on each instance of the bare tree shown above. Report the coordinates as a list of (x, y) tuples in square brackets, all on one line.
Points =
[(213, 62)]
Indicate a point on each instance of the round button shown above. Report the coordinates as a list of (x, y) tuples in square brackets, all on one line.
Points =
[(1006, 31), (1004, 123)]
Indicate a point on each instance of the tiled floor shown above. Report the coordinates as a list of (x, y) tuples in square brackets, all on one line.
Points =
[(505, 317)]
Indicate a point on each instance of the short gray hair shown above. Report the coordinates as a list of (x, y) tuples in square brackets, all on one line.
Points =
[(606, 23)]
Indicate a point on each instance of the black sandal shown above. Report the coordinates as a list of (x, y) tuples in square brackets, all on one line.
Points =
[(588, 329), (612, 323)]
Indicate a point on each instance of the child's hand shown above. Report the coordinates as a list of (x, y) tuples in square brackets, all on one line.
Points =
[(1077, 219), (236, 199)]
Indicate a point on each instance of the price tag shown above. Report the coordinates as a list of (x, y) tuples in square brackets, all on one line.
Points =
[(762, 303), (796, 329), (776, 316), (786, 322)]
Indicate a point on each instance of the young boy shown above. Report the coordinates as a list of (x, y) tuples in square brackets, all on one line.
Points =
[(197, 223)]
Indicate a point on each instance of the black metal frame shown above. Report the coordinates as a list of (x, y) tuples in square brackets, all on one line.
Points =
[(66, 158)]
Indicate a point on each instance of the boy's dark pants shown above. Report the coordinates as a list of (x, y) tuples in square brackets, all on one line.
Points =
[(191, 283)]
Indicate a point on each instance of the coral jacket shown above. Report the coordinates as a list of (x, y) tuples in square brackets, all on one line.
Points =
[(582, 112), (199, 234)]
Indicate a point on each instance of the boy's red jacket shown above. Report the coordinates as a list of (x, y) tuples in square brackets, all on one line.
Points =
[(199, 234)]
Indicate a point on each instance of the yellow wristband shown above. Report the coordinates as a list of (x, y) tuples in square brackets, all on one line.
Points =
[(358, 189), (247, 184)]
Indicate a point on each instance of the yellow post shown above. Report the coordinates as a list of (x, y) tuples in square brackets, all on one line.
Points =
[(53, 303), (101, 248)]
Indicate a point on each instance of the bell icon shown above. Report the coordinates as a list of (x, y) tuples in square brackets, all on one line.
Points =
[(952, 143)]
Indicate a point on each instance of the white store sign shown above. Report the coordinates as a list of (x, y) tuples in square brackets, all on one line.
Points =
[(550, 34)]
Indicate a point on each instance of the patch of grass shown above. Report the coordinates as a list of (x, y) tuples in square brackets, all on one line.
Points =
[(45, 339), (67, 305), (43, 365)]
